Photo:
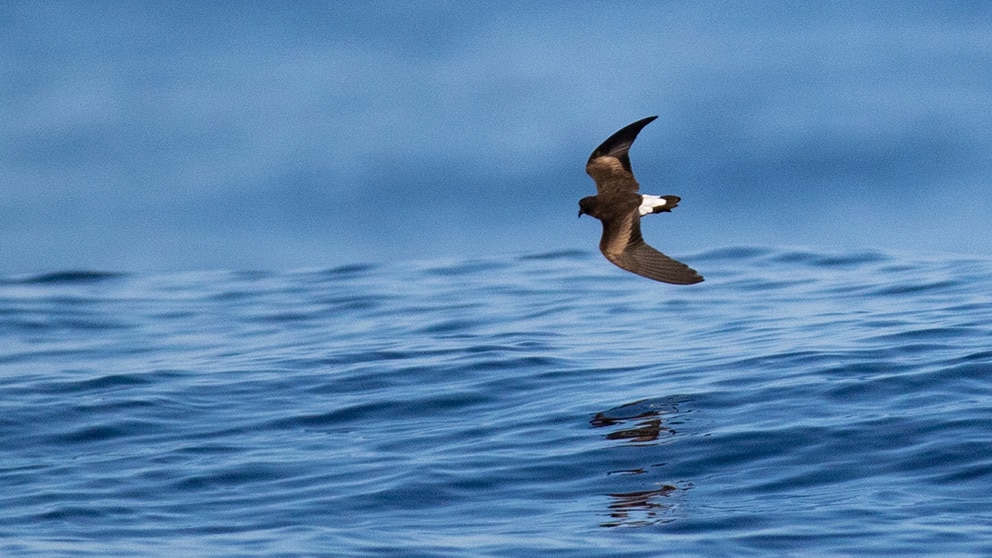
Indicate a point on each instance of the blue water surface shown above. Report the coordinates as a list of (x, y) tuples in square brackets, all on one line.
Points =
[(796, 402)]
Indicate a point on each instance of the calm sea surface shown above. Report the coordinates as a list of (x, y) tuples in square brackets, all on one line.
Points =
[(795, 403)]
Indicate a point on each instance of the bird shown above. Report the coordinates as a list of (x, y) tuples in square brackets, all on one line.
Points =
[(619, 206)]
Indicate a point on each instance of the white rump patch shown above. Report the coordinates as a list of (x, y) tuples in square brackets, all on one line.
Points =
[(650, 203)]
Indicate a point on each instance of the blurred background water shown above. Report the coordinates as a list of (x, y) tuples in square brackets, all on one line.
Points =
[(188, 135)]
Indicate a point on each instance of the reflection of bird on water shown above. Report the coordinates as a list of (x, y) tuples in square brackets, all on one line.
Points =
[(642, 501), (646, 412)]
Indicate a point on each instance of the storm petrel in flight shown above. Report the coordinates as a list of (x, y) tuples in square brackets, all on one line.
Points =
[(620, 207)]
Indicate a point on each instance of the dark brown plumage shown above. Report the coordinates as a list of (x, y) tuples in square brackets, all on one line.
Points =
[(619, 206)]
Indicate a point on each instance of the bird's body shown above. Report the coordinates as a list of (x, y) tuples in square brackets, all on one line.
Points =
[(619, 206)]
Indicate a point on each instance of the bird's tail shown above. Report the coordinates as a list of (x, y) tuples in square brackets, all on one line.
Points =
[(657, 204)]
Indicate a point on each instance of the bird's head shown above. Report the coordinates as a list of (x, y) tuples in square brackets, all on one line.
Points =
[(586, 205)]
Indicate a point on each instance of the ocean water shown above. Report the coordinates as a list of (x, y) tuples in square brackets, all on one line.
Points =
[(795, 403)]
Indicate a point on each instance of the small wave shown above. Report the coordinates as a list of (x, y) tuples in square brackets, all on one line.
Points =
[(557, 255), (350, 270), (734, 253), (841, 259), (63, 277)]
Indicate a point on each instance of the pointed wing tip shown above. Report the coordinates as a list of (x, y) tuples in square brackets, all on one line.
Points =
[(641, 123), (697, 278), (677, 278), (617, 144)]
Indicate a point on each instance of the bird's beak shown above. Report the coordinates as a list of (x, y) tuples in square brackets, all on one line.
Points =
[(580, 212)]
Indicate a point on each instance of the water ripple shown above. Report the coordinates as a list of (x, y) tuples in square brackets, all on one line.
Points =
[(796, 402)]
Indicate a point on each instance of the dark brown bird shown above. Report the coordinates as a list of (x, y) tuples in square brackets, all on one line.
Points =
[(620, 207)]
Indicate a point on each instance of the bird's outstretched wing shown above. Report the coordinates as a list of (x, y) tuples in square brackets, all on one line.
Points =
[(609, 164), (623, 245), (648, 262)]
